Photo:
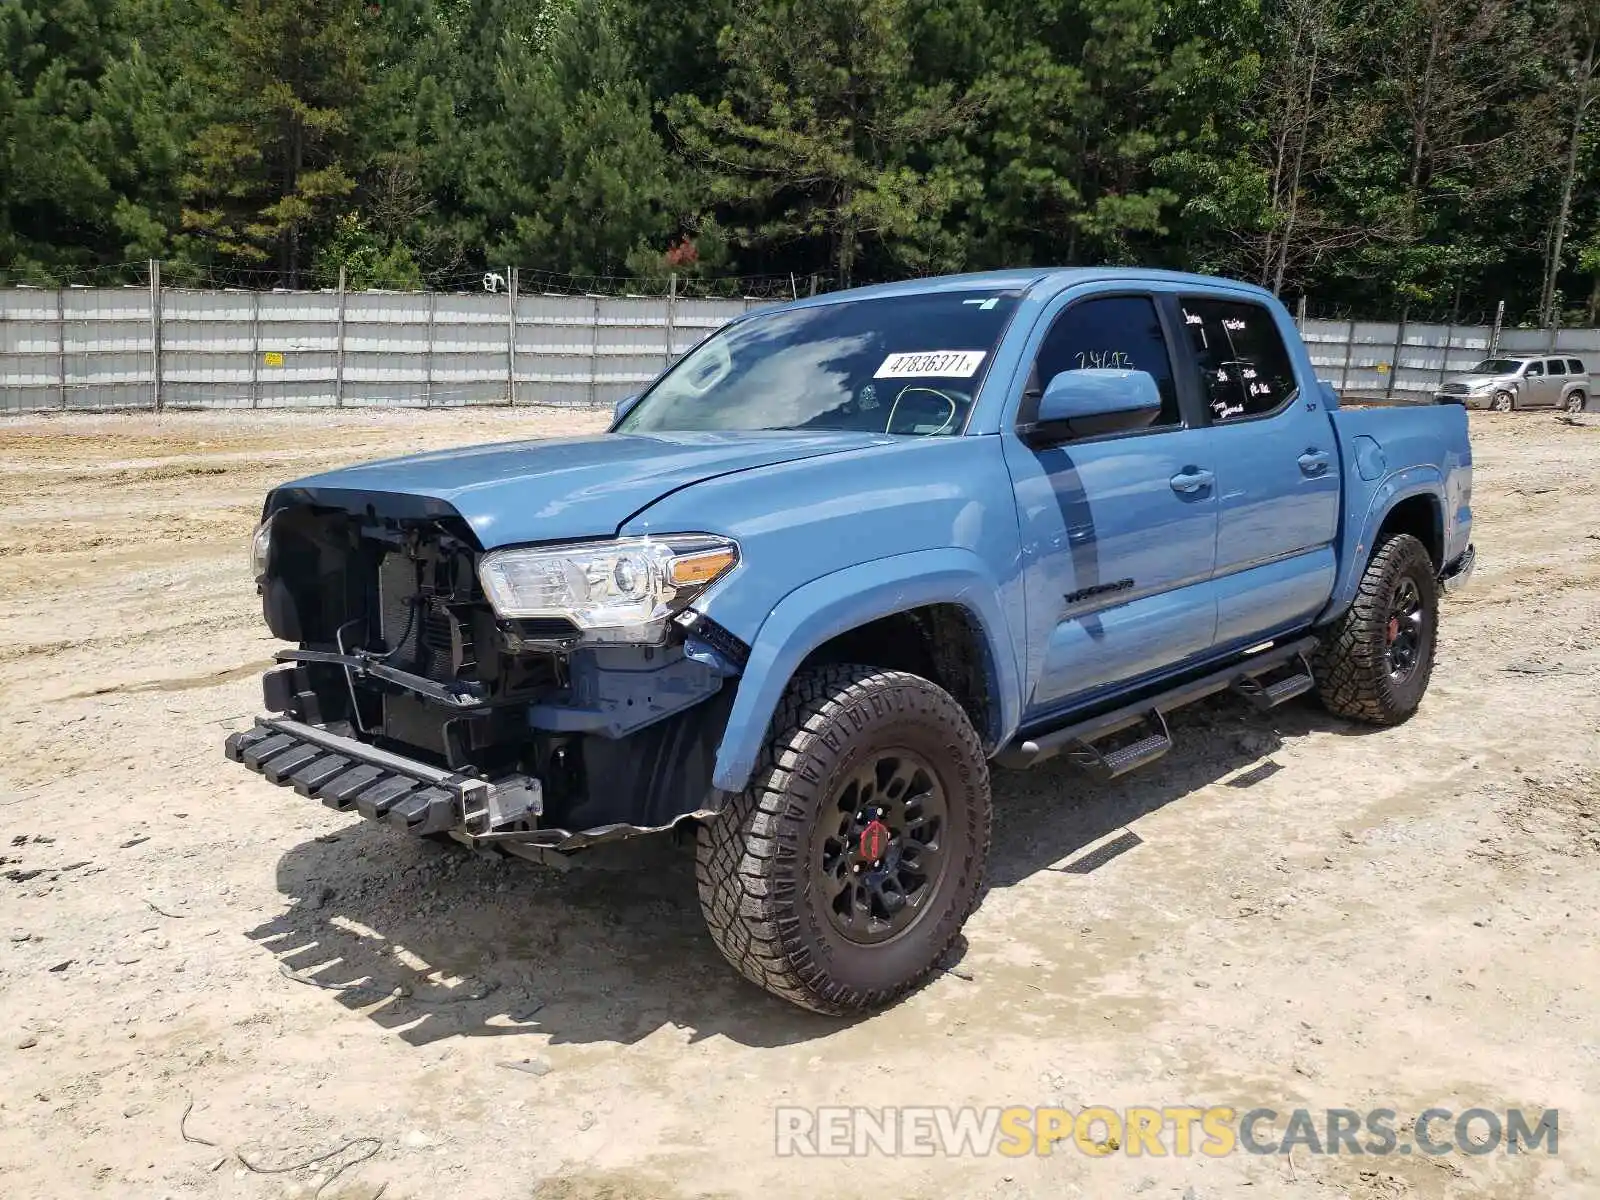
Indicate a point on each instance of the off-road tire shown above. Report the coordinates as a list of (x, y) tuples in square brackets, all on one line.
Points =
[(1502, 402), (1352, 667), (754, 863), (1576, 402)]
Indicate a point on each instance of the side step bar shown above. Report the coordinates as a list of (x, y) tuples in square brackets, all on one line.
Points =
[(1242, 677), (1108, 764), (1269, 695)]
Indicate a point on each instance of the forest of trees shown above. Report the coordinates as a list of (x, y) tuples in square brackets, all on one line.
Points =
[(1381, 156)]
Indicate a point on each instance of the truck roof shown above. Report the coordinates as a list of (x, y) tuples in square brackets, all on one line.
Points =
[(1026, 278)]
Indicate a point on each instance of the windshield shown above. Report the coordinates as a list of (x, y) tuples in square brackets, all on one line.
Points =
[(900, 364), (1496, 366)]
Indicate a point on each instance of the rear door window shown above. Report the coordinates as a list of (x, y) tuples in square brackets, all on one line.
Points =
[(1244, 366), (1555, 366)]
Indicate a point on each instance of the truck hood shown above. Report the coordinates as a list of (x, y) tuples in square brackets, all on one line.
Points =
[(555, 489)]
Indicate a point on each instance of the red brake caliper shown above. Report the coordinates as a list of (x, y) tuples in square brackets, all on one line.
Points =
[(874, 840), (1394, 628)]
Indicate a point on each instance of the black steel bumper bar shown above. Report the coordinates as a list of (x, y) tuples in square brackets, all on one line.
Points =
[(346, 774), (350, 776)]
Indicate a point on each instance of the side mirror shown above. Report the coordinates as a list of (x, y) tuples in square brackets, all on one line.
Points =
[(1093, 402), (623, 408)]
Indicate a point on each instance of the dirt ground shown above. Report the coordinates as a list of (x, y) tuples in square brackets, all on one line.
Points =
[(1306, 914)]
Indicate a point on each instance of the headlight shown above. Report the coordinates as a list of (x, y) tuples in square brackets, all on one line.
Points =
[(619, 591), (260, 548), (1483, 386)]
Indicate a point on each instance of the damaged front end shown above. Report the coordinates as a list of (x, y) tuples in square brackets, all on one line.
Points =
[(445, 691)]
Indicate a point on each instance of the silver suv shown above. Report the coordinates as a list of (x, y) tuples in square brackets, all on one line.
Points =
[(1520, 381)]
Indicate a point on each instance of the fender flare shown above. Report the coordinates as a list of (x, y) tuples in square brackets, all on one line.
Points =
[(1396, 487), (832, 604)]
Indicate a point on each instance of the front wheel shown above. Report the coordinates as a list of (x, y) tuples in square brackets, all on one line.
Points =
[(1375, 662), (846, 869), (1501, 402), (1576, 402)]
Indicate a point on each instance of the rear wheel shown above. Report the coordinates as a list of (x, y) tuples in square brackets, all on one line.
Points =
[(1576, 402), (1375, 663), (1501, 402), (845, 870)]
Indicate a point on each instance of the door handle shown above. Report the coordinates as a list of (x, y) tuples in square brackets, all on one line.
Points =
[(1191, 480), (1314, 462)]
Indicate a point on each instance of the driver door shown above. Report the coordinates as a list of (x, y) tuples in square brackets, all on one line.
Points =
[(1119, 531)]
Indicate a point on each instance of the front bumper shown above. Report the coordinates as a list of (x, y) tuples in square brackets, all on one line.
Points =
[(348, 775), (1459, 573)]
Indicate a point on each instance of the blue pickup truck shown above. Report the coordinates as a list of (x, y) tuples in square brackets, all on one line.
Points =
[(831, 565)]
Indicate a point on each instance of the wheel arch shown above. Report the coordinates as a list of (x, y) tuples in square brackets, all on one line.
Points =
[(929, 611), (1422, 516), (1409, 501), (942, 642)]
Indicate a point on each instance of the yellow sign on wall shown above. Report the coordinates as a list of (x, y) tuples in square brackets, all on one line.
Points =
[(272, 358)]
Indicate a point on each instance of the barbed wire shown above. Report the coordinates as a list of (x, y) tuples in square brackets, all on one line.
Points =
[(128, 274), (453, 281), (685, 284), (1345, 313)]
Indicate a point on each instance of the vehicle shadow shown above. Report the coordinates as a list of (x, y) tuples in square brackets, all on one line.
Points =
[(433, 942), (1046, 816)]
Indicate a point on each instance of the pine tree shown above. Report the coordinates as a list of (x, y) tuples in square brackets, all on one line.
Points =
[(283, 80), (405, 224), (54, 193), (1388, 155), (820, 145), (148, 108), (1108, 123), (569, 173)]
